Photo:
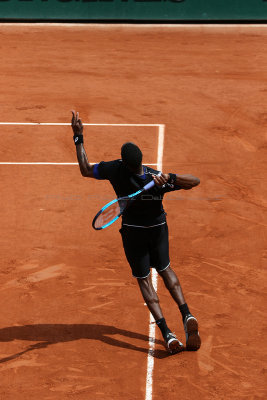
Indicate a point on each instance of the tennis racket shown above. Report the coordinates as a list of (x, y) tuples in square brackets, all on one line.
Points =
[(115, 208)]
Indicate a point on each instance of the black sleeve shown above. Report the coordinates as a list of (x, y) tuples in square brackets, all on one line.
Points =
[(104, 170)]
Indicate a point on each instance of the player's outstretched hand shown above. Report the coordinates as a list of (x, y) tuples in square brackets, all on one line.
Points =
[(161, 180), (76, 124)]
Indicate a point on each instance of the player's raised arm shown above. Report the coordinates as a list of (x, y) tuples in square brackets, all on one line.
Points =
[(85, 167)]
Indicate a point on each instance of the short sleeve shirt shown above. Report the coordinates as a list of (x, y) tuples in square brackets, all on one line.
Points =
[(145, 211)]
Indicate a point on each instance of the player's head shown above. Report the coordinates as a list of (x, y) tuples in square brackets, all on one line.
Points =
[(131, 156)]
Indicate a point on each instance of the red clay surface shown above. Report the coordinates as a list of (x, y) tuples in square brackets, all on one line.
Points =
[(72, 322)]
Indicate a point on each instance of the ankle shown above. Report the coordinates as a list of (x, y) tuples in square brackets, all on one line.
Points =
[(184, 310), (163, 327)]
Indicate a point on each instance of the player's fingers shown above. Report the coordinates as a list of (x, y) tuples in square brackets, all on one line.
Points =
[(166, 176), (165, 180), (156, 179), (73, 116), (161, 179)]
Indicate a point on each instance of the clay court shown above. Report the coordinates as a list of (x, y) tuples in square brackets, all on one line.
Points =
[(73, 324)]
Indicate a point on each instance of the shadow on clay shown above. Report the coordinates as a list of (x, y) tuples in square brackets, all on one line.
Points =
[(48, 334)]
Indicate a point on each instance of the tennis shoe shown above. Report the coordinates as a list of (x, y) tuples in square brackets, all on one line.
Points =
[(193, 340), (173, 344)]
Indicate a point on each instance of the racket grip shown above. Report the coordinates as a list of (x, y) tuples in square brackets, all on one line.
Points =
[(149, 185)]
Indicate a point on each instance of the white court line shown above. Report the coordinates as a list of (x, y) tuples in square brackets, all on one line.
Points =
[(152, 325), (69, 124), (65, 124), (160, 146), (49, 163), (37, 163)]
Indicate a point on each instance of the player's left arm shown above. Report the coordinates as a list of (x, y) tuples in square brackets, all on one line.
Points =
[(85, 167), (186, 181)]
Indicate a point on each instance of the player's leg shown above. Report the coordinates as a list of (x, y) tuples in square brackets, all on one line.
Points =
[(161, 261), (137, 254), (135, 243), (150, 297), (172, 283), (152, 301), (160, 255)]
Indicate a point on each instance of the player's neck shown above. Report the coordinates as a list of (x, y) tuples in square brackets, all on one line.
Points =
[(140, 171)]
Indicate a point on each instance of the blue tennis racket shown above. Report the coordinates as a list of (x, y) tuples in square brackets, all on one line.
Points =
[(115, 208)]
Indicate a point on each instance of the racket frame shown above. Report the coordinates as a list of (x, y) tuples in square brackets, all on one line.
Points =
[(130, 196), (100, 212)]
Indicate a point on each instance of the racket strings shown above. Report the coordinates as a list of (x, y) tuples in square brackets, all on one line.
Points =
[(110, 213)]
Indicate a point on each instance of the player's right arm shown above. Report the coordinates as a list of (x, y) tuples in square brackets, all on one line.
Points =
[(184, 181), (85, 167), (187, 181)]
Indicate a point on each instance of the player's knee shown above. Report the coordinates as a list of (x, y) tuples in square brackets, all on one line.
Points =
[(170, 279), (151, 300), (148, 291), (173, 286)]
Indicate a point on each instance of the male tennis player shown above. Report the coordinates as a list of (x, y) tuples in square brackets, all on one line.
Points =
[(144, 228)]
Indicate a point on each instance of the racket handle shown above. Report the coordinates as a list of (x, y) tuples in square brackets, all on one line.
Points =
[(149, 185)]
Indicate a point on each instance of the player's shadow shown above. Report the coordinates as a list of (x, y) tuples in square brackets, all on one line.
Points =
[(48, 334)]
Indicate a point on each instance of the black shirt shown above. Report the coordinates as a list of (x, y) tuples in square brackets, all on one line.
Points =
[(145, 211)]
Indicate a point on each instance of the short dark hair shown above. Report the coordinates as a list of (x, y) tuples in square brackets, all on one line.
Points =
[(131, 155)]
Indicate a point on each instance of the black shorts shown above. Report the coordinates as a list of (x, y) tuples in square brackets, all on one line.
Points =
[(145, 248)]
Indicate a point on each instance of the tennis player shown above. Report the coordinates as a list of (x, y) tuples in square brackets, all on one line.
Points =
[(144, 229)]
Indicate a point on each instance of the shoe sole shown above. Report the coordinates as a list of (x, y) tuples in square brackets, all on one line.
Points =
[(174, 346), (193, 342)]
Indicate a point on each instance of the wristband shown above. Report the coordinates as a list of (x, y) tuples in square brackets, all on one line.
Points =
[(172, 179), (78, 139)]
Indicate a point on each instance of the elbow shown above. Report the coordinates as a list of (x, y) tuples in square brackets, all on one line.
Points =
[(197, 182), (84, 172), (194, 181), (87, 173)]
